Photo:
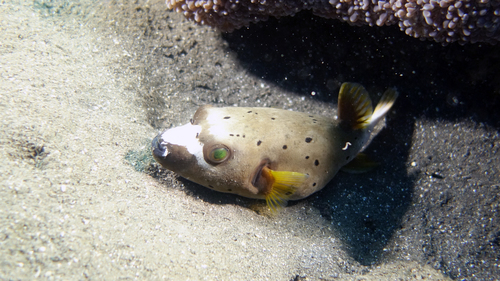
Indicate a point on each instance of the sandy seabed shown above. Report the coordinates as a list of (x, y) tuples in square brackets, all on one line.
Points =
[(77, 85)]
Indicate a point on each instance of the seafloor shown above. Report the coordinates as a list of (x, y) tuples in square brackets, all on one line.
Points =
[(86, 85)]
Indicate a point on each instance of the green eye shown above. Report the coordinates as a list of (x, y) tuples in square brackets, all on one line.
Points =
[(219, 154), (216, 154)]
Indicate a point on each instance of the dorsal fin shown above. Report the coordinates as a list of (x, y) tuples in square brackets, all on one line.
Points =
[(355, 106)]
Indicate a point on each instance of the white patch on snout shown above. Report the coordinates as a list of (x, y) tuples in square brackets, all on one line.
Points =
[(186, 136)]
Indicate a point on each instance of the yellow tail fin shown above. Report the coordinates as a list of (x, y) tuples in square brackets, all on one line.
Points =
[(355, 106), (383, 106)]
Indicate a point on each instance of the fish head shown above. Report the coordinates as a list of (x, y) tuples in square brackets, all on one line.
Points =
[(202, 151)]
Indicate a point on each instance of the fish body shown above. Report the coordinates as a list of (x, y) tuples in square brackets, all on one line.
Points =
[(268, 153)]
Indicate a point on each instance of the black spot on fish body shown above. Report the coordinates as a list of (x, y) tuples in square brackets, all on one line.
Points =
[(259, 142), (210, 186), (314, 184), (227, 117), (231, 135), (249, 111), (229, 189), (308, 139), (272, 118), (238, 135), (307, 157), (285, 147), (243, 136), (316, 162)]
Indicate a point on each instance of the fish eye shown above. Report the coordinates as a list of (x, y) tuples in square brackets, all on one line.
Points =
[(216, 154)]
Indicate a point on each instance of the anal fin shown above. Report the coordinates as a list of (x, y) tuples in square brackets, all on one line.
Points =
[(360, 164)]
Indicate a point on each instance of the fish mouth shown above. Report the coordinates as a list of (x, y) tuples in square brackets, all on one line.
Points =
[(159, 150)]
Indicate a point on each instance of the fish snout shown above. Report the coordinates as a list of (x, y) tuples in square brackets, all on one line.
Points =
[(171, 156)]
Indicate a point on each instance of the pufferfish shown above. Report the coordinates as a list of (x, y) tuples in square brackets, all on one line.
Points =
[(267, 153)]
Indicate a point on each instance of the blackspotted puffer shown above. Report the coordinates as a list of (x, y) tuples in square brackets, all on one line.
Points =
[(268, 153)]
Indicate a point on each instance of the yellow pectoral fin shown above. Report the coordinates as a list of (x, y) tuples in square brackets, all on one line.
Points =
[(284, 185)]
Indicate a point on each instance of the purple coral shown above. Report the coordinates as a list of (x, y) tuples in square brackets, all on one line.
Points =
[(442, 21)]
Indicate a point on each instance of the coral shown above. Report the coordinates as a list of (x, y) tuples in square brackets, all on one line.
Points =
[(442, 21)]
